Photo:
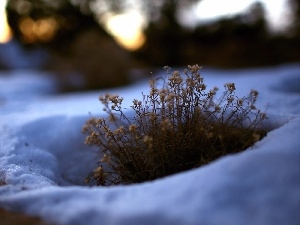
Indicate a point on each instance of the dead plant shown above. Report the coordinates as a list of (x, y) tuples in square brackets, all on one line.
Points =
[(178, 126)]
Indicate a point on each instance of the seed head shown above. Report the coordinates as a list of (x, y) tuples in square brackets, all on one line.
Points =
[(194, 69), (230, 87), (132, 128)]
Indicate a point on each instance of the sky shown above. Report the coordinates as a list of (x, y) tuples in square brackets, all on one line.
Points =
[(276, 10), (127, 28)]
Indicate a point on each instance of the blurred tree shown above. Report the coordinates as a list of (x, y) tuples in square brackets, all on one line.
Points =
[(285, 45), (63, 25), (50, 22), (236, 41), (164, 34), (70, 31), (295, 8)]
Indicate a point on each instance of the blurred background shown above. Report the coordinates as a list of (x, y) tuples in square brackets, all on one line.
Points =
[(92, 44)]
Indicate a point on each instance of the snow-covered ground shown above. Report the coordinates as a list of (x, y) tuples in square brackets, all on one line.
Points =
[(43, 159)]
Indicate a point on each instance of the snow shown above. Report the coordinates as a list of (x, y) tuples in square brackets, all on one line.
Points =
[(13, 55), (43, 159)]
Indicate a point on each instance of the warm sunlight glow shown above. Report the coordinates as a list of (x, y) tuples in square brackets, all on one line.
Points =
[(38, 30), (127, 30), (5, 33)]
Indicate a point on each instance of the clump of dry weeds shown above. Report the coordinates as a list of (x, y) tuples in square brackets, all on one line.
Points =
[(178, 126)]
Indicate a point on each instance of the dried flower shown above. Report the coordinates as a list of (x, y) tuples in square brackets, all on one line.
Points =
[(132, 128), (148, 140), (263, 116), (240, 102), (254, 93), (165, 124), (175, 78), (217, 108), (230, 87), (120, 130), (230, 99), (105, 158), (98, 172), (194, 68)]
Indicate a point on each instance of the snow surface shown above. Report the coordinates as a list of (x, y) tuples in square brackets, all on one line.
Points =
[(43, 159)]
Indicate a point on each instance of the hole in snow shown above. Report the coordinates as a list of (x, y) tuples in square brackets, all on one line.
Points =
[(54, 147)]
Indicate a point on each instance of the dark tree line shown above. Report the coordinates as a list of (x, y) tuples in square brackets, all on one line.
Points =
[(81, 43), (70, 19), (243, 40)]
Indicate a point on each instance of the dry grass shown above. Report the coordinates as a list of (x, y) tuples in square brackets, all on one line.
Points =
[(178, 126)]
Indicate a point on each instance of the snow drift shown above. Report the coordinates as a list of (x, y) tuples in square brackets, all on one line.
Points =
[(43, 161)]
